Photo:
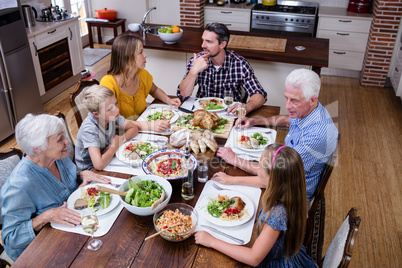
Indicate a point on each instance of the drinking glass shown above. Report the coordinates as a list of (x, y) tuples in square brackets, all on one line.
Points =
[(228, 98), (167, 114), (90, 224), (241, 112), (203, 169)]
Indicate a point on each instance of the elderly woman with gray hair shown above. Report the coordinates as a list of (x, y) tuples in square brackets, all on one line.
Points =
[(36, 191)]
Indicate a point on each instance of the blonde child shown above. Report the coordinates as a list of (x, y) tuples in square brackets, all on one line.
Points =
[(97, 141), (281, 222)]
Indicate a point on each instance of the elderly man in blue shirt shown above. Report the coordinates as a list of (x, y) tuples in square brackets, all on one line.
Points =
[(312, 132)]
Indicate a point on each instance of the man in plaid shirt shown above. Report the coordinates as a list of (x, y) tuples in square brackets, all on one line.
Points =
[(217, 70)]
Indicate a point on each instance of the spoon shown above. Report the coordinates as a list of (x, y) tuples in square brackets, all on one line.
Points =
[(164, 230), (157, 202)]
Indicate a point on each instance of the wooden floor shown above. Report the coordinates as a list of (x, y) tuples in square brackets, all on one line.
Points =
[(368, 171)]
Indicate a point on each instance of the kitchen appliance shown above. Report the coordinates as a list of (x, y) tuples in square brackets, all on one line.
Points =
[(237, 1), (285, 18), (53, 13), (30, 14), (360, 6), (19, 92)]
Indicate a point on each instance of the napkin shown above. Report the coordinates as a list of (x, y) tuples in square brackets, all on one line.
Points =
[(243, 231), (189, 103), (232, 143), (106, 221), (115, 165)]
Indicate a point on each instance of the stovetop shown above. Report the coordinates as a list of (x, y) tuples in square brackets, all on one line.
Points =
[(295, 7)]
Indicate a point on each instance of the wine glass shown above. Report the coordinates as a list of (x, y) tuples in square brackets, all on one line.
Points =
[(90, 223), (167, 115), (241, 112), (228, 98)]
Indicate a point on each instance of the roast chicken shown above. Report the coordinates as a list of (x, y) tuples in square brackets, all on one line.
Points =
[(206, 120)]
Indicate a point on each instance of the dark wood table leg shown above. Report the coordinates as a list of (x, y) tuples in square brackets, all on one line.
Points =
[(99, 35), (115, 31), (316, 69), (91, 42), (123, 27)]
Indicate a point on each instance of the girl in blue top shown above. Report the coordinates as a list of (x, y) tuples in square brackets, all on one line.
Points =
[(281, 222)]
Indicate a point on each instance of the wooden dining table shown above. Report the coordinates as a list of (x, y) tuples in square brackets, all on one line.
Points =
[(124, 245)]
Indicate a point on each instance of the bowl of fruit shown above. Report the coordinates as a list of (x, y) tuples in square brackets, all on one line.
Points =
[(170, 34)]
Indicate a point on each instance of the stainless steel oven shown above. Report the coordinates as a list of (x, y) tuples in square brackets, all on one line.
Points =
[(285, 18)]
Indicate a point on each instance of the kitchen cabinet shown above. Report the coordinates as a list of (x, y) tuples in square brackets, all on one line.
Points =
[(396, 64), (347, 33), (235, 16), (44, 38)]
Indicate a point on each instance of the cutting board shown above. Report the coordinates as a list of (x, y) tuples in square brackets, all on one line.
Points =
[(225, 135), (257, 43)]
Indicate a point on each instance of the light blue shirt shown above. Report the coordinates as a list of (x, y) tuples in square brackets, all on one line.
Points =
[(314, 138), (92, 134), (29, 191)]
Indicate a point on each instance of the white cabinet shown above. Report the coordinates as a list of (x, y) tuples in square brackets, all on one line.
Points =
[(396, 65), (347, 33), (236, 19)]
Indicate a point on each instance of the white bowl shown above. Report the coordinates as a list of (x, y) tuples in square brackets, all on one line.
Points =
[(146, 211), (134, 27), (170, 38)]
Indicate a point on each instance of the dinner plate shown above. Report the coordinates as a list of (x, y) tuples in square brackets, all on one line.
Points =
[(248, 133), (133, 163), (198, 106), (202, 208), (114, 200), (159, 109), (166, 153)]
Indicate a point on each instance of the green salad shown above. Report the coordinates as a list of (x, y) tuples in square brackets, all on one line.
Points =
[(213, 105), (143, 193), (103, 201), (216, 208), (185, 121), (142, 148), (261, 139), (155, 116)]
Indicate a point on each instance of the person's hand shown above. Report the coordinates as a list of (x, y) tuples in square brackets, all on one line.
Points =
[(227, 154), (117, 141), (62, 215), (204, 238), (246, 122), (222, 178), (174, 102), (160, 125), (88, 176), (232, 109), (200, 63)]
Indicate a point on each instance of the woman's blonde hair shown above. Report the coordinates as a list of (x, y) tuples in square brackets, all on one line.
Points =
[(95, 96), (124, 50), (286, 186)]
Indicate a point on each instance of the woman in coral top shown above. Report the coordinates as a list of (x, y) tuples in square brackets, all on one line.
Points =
[(131, 83)]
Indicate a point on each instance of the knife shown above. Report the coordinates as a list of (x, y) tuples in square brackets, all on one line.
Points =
[(241, 242), (185, 110)]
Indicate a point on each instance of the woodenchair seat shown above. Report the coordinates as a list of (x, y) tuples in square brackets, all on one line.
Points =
[(71, 146), (76, 99), (339, 251)]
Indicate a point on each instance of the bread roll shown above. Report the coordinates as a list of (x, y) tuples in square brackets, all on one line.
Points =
[(202, 145), (178, 138), (211, 145), (195, 147)]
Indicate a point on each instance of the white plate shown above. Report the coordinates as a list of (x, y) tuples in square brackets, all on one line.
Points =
[(204, 211), (198, 106), (133, 163), (269, 136), (159, 109), (114, 200)]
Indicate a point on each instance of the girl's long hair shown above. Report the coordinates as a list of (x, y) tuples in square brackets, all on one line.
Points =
[(286, 186), (124, 50)]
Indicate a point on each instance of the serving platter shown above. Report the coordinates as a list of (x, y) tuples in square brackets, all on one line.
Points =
[(197, 104), (135, 162), (270, 136), (114, 200), (167, 153), (217, 221)]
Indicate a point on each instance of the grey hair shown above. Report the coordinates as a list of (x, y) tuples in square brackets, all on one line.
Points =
[(95, 96), (221, 30), (33, 131), (306, 80)]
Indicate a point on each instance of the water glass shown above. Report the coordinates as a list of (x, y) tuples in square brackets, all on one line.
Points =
[(228, 98), (203, 169), (162, 144)]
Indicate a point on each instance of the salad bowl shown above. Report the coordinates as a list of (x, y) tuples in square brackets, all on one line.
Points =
[(146, 211)]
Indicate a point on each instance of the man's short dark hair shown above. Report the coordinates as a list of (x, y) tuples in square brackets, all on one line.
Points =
[(221, 30)]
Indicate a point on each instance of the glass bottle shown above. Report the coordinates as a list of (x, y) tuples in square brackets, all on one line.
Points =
[(187, 188)]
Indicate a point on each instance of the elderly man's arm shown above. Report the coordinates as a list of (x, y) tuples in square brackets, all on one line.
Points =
[(230, 157)]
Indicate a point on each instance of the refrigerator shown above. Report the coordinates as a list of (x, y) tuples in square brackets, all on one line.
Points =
[(18, 85)]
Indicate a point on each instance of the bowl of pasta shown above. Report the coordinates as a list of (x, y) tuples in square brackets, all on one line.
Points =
[(180, 221)]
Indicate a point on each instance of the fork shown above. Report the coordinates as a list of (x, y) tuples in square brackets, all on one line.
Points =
[(217, 187), (115, 185)]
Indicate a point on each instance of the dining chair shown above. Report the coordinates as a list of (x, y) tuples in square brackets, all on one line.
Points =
[(8, 160), (339, 251), (314, 237), (71, 146), (77, 97)]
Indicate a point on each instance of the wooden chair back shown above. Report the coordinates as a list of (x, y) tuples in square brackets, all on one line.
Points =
[(76, 99), (339, 252), (71, 146)]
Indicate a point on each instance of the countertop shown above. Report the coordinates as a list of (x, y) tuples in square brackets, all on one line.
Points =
[(41, 27), (339, 12), (316, 53), (242, 6)]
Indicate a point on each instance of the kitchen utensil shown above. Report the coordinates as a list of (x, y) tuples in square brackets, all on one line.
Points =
[(269, 2), (360, 6), (107, 14), (109, 190), (170, 38), (163, 230), (257, 43), (30, 14), (217, 187), (241, 242), (185, 110)]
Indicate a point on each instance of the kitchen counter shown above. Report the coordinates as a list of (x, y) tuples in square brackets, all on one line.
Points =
[(243, 5), (337, 12), (42, 26), (316, 53)]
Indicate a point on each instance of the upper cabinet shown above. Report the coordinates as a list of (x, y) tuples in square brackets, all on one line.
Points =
[(236, 18)]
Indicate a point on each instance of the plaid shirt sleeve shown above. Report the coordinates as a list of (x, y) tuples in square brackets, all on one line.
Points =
[(250, 82)]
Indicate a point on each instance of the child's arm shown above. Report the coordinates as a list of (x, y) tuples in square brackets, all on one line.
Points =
[(131, 130), (242, 180), (101, 159), (251, 256), (158, 125)]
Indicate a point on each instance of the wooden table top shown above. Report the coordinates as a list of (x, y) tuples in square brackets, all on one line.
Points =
[(124, 245), (316, 51)]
